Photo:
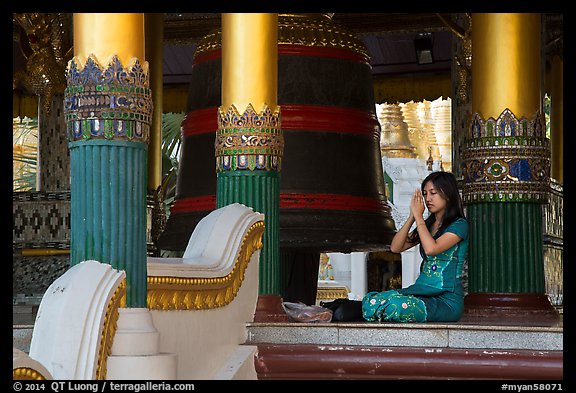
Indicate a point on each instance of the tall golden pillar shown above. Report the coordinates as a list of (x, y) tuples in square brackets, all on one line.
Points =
[(107, 108), (506, 168), (250, 61), (249, 140), (154, 26), (506, 64)]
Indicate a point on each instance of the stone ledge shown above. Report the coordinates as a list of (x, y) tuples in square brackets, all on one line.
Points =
[(431, 335)]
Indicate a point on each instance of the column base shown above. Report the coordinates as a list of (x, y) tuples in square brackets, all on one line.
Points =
[(135, 352), (269, 309), (527, 308)]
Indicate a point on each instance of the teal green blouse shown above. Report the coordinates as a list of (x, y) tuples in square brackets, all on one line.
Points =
[(439, 284)]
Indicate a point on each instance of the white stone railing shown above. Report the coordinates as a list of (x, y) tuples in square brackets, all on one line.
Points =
[(193, 328), (201, 303)]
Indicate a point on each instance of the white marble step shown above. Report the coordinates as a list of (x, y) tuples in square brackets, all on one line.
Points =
[(433, 335)]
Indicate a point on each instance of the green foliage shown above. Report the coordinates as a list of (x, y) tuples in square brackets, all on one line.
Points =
[(24, 153), (171, 125)]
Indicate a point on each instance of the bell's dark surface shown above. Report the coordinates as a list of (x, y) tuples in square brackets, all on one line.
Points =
[(332, 193)]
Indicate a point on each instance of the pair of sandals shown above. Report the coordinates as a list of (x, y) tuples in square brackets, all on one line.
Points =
[(345, 310)]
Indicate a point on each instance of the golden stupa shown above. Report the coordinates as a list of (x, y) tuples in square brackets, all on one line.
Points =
[(394, 140)]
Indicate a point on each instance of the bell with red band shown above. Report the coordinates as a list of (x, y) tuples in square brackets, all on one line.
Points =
[(332, 192)]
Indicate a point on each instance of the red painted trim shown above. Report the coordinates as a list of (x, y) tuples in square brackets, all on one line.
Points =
[(207, 56), (330, 202), (296, 50), (291, 201), (296, 117), (201, 121), (188, 205), (329, 118), (321, 51)]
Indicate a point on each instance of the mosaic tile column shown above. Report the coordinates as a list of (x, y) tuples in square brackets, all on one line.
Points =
[(506, 164), (108, 114), (249, 145), (53, 154)]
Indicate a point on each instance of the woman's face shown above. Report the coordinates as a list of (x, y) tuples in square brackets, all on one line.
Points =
[(433, 199)]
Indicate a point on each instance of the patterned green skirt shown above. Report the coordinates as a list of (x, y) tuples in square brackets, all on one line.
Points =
[(392, 306)]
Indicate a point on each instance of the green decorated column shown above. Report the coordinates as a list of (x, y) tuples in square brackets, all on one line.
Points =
[(506, 168), (249, 140), (108, 107)]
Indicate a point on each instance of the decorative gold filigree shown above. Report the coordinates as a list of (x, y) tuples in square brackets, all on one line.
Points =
[(249, 140), (48, 40), (27, 374), (463, 56), (324, 293), (199, 293), (109, 329), (112, 102), (301, 30), (506, 159)]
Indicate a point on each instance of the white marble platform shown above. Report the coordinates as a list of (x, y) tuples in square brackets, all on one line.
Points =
[(433, 335)]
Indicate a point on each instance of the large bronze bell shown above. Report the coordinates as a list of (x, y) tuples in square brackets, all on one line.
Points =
[(332, 193)]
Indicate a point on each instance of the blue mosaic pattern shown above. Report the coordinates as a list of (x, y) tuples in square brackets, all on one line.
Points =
[(110, 103), (506, 160), (249, 141)]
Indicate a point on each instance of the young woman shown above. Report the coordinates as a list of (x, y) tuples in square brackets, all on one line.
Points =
[(437, 294)]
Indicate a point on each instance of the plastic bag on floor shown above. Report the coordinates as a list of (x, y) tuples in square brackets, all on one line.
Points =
[(300, 312)]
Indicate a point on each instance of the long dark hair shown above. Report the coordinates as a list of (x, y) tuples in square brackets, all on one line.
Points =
[(445, 183)]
